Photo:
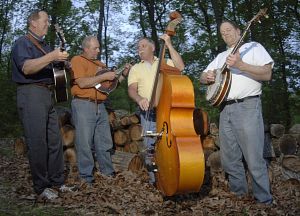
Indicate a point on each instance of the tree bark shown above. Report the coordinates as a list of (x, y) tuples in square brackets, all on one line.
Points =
[(100, 27), (150, 7)]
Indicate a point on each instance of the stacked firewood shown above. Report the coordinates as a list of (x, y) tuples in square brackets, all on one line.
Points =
[(280, 144), (126, 134), (286, 145)]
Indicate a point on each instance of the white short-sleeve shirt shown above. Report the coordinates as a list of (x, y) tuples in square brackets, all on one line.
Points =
[(242, 84)]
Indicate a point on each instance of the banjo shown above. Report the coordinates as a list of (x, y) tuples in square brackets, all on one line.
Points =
[(218, 91)]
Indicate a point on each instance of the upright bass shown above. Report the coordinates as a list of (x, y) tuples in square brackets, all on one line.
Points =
[(178, 152)]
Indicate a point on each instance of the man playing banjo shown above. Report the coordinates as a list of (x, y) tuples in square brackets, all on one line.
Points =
[(241, 123)]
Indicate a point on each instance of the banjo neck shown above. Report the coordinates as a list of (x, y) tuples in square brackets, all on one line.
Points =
[(257, 17), (236, 47)]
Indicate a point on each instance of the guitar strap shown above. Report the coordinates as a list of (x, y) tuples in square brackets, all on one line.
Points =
[(36, 43), (99, 64)]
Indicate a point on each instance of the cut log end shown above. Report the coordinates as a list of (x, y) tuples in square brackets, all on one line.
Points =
[(288, 144), (20, 147)]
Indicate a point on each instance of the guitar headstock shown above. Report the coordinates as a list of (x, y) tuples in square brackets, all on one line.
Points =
[(61, 36), (261, 13)]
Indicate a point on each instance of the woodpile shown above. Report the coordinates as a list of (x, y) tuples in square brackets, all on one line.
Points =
[(280, 144), (126, 135), (127, 132)]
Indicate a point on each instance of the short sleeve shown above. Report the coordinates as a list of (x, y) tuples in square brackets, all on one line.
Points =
[(78, 67), (133, 75), (262, 57), (21, 52)]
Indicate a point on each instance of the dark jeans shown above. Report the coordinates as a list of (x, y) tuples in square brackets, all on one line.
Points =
[(42, 135)]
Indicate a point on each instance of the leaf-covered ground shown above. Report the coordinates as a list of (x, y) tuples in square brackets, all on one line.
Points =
[(130, 194)]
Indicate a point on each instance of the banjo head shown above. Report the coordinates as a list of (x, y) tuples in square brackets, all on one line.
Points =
[(213, 89)]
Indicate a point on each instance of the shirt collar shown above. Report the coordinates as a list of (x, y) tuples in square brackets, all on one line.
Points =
[(155, 59), (39, 39)]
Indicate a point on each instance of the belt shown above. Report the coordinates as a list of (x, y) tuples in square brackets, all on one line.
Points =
[(48, 86), (88, 99), (45, 85), (239, 100)]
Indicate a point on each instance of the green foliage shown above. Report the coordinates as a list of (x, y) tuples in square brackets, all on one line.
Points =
[(119, 99), (197, 39), (10, 125)]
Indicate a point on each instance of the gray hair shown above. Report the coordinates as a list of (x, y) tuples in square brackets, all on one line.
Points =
[(86, 41), (147, 39), (34, 15)]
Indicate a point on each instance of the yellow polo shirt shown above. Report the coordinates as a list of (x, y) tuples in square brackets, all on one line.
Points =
[(143, 74)]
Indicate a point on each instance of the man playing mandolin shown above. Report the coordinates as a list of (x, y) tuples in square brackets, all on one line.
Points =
[(88, 111), (241, 123), (140, 86)]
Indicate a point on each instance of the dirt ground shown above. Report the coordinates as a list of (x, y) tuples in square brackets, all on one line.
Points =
[(130, 194)]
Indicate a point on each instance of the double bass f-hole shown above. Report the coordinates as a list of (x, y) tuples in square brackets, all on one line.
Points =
[(166, 130)]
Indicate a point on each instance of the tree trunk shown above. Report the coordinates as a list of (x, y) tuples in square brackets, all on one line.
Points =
[(100, 27), (4, 26), (150, 7), (105, 33), (218, 8)]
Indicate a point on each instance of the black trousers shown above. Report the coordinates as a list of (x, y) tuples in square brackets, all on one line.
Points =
[(42, 136)]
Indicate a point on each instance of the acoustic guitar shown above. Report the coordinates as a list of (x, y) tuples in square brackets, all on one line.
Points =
[(59, 72), (106, 87), (218, 91)]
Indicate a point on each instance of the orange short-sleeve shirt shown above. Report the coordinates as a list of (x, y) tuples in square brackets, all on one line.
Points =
[(82, 67)]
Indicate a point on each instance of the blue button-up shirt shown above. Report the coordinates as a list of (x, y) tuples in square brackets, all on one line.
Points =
[(23, 50)]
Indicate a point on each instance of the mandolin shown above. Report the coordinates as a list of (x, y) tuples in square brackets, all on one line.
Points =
[(106, 87)]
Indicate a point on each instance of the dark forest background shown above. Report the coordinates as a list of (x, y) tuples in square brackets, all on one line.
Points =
[(118, 25)]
